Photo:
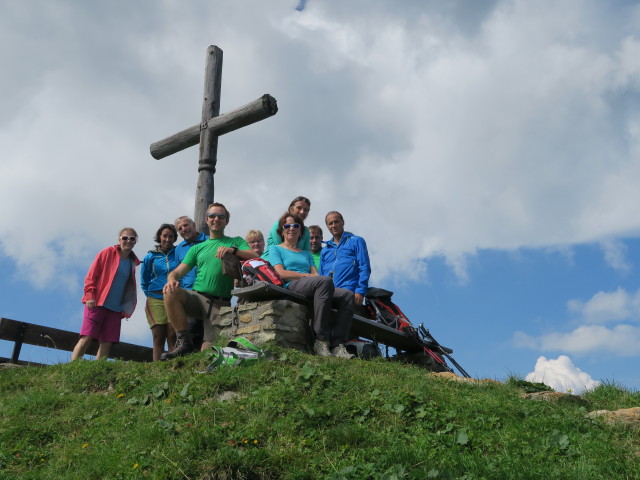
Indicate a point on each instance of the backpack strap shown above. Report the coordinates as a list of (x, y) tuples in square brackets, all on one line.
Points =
[(243, 343), (237, 352)]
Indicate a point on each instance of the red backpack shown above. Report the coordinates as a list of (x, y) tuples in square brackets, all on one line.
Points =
[(259, 270)]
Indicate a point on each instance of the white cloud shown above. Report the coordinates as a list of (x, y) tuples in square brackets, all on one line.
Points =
[(608, 306), (620, 340), (615, 253), (504, 125), (561, 375)]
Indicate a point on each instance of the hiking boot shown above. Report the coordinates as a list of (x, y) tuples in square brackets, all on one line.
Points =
[(184, 346), (341, 352), (321, 348)]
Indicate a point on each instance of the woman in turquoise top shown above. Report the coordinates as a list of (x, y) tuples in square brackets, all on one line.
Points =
[(297, 268), (153, 276), (299, 206)]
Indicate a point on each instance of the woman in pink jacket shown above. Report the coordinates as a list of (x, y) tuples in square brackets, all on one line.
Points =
[(109, 295)]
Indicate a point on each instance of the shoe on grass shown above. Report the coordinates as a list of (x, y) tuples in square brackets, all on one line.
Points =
[(341, 352), (321, 348), (184, 346)]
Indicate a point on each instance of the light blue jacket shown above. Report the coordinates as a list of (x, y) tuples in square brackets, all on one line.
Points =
[(347, 262), (155, 268)]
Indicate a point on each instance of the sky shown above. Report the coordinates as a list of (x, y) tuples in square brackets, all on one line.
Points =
[(488, 151)]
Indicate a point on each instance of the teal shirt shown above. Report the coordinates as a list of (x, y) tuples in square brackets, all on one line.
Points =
[(300, 262)]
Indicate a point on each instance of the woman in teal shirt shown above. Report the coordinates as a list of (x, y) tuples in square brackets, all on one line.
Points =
[(297, 268), (299, 206)]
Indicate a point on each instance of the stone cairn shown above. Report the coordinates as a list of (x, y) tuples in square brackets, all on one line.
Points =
[(280, 322)]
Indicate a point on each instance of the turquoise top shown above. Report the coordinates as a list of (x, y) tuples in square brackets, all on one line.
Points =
[(300, 262)]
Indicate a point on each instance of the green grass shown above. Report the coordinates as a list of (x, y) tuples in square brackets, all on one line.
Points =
[(298, 417)]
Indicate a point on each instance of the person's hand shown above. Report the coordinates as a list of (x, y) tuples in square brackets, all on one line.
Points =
[(90, 304), (170, 286), (222, 251), (358, 299)]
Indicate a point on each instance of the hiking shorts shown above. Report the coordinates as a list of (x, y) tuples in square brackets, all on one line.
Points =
[(207, 308), (101, 324), (156, 313)]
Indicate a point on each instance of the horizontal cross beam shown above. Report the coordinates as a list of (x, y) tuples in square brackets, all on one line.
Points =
[(264, 107)]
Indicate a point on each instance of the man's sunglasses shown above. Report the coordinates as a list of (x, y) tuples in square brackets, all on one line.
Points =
[(287, 226), (218, 215)]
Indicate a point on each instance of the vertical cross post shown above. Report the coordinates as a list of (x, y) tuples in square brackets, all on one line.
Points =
[(208, 140)]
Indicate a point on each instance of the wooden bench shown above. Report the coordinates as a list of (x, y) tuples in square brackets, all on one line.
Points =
[(361, 327), (41, 336)]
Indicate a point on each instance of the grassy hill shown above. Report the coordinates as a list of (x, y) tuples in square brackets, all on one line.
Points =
[(299, 417)]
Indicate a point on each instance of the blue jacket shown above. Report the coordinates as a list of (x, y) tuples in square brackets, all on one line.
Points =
[(347, 262), (155, 268), (181, 251)]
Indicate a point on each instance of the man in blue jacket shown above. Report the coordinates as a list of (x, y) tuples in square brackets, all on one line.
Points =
[(345, 258)]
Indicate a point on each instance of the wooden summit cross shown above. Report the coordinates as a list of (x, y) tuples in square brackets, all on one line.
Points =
[(210, 128)]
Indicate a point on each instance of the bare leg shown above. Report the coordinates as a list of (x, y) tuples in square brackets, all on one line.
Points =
[(171, 337), (174, 304), (81, 347), (159, 334), (103, 350)]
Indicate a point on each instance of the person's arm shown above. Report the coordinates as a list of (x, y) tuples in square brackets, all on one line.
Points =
[(241, 249), (145, 274), (91, 280), (274, 238), (241, 254), (364, 271), (173, 279), (289, 275), (324, 262)]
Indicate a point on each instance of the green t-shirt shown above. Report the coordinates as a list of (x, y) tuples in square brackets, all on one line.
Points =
[(316, 259), (209, 278)]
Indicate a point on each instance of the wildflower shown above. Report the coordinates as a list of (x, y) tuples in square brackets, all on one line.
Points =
[(85, 445), (255, 441), (120, 395), (135, 465)]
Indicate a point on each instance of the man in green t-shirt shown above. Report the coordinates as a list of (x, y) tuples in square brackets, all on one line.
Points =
[(211, 290), (315, 241)]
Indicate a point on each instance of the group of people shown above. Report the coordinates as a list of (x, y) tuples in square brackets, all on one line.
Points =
[(185, 286)]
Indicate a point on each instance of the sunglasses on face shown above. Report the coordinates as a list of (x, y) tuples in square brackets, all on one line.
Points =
[(128, 239), (218, 215), (287, 226)]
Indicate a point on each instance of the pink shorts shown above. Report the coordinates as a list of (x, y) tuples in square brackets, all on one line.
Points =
[(102, 324)]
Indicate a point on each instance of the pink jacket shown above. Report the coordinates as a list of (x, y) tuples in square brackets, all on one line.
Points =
[(100, 277)]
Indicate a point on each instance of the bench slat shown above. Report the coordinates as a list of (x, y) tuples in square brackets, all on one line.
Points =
[(42, 336)]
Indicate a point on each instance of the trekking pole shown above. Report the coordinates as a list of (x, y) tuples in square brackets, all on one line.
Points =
[(442, 350)]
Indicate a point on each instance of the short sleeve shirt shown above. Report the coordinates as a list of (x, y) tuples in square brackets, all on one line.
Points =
[(209, 277), (300, 262)]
